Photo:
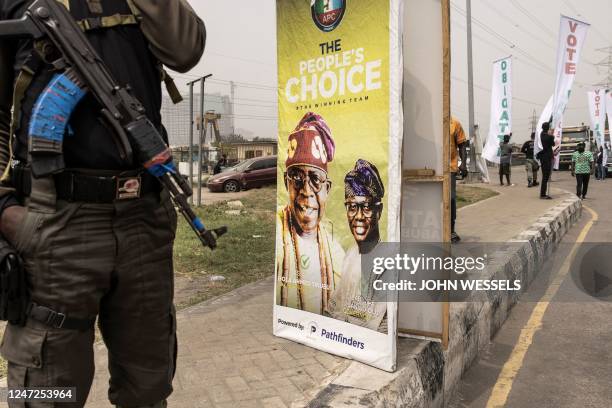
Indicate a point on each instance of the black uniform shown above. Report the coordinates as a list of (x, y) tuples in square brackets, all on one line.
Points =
[(546, 160), (91, 250)]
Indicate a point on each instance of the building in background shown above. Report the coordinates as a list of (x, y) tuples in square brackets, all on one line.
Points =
[(176, 118), (239, 151)]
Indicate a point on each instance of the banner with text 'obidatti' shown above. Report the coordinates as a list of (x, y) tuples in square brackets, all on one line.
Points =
[(339, 172)]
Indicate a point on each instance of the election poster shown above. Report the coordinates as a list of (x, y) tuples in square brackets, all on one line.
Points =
[(339, 172)]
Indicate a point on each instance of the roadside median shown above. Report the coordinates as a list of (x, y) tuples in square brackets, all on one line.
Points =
[(427, 375)]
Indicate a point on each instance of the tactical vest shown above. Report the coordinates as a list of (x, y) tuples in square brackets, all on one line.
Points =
[(112, 28)]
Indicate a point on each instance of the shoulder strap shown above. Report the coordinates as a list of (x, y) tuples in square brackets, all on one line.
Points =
[(66, 3), (94, 23), (22, 83), (173, 91)]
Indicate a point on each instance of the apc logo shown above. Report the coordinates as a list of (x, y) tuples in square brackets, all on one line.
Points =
[(327, 14), (313, 329)]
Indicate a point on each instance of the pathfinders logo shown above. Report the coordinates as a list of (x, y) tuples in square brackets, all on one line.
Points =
[(327, 14)]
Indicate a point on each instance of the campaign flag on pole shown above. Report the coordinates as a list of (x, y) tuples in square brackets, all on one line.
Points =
[(501, 108), (609, 112), (597, 109), (572, 34), (544, 117)]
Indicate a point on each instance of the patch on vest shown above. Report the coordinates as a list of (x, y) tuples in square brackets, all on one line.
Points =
[(128, 187), (95, 6)]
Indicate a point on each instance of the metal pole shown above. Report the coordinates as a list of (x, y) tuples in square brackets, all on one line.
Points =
[(472, 167), (202, 137), (190, 161), (202, 134)]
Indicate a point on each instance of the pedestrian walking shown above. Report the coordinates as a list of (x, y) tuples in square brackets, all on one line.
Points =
[(531, 165), (505, 161), (582, 167), (546, 158)]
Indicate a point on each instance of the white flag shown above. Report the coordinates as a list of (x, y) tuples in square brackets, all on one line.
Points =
[(501, 108), (544, 117), (597, 108), (572, 34), (609, 111)]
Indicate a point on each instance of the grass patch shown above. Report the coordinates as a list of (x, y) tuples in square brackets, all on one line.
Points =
[(467, 195), (244, 255)]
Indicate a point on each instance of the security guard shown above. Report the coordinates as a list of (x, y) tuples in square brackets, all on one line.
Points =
[(96, 239)]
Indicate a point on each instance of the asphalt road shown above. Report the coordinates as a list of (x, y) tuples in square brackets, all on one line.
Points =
[(556, 353)]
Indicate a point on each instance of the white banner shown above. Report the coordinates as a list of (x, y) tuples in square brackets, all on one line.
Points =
[(609, 111), (544, 117), (597, 109), (501, 108), (572, 34)]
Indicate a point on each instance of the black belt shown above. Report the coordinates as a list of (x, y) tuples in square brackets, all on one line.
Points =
[(88, 187), (57, 320)]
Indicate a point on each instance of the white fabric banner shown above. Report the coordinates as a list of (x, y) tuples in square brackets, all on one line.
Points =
[(501, 108), (597, 109), (544, 117), (572, 34), (609, 111)]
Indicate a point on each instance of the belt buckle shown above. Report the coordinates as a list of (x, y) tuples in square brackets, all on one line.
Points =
[(56, 319), (128, 188)]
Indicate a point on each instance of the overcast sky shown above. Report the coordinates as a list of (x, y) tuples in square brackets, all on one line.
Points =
[(241, 47)]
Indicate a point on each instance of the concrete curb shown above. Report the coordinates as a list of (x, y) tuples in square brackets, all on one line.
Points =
[(427, 375)]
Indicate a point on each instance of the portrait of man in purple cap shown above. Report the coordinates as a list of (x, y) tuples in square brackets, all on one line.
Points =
[(363, 193), (308, 258)]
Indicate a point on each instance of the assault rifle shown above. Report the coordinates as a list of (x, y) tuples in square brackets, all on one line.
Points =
[(61, 43)]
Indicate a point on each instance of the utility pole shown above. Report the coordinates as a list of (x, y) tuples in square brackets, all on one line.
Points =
[(534, 122), (472, 176), (232, 95), (201, 134)]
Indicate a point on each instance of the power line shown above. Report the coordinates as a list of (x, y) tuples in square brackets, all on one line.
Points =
[(507, 18), (541, 65), (251, 61), (534, 19)]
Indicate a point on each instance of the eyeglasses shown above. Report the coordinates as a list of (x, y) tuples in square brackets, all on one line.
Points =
[(367, 208), (315, 178)]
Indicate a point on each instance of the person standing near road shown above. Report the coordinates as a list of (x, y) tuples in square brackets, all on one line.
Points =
[(222, 162), (531, 165), (582, 167), (458, 150), (96, 238), (546, 158), (600, 170), (505, 160)]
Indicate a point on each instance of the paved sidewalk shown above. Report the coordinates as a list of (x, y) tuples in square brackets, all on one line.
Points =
[(229, 358), (504, 216)]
